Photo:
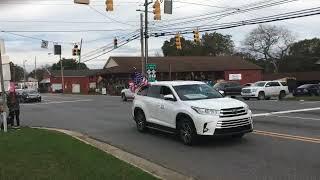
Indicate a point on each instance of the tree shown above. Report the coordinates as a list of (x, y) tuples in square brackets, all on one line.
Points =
[(69, 64), (40, 72), (188, 48), (215, 44), (303, 56), (17, 72), (212, 44), (270, 43)]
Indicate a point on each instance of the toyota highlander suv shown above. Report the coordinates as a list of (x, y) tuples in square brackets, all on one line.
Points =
[(265, 90), (190, 109)]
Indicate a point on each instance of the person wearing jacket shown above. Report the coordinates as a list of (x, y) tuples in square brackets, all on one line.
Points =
[(14, 108)]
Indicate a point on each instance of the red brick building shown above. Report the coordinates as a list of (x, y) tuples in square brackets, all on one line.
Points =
[(118, 70), (75, 81)]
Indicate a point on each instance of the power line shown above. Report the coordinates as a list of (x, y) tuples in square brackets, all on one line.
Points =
[(35, 38), (273, 18), (97, 11), (64, 31), (59, 22), (200, 19), (110, 50)]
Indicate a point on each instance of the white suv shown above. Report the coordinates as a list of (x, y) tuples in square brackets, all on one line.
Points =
[(265, 90), (190, 108)]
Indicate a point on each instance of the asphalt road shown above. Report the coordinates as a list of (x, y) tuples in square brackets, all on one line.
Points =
[(284, 145)]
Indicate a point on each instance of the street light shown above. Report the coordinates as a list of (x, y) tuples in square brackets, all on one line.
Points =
[(24, 73)]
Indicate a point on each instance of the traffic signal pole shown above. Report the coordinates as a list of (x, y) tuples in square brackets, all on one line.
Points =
[(80, 54), (142, 45), (4, 98), (146, 36)]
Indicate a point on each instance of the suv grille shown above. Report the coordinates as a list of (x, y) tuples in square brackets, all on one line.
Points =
[(233, 123), (246, 90), (232, 112)]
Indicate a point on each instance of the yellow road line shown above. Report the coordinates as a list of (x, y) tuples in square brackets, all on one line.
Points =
[(287, 136)]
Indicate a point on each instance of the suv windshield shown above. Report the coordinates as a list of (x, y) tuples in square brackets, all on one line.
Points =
[(196, 92), (259, 84)]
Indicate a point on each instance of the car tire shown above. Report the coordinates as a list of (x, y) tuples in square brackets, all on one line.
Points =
[(238, 136), (282, 94), (39, 100), (140, 119), (123, 97), (261, 96), (187, 132)]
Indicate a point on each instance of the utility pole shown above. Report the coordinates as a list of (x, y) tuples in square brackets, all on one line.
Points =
[(146, 36), (62, 78), (35, 67), (4, 98), (142, 45), (24, 74), (80, 54)]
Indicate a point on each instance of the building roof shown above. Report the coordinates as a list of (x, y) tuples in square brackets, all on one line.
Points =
[(176, 83), (76, 73), (181, 64), (299, 76)]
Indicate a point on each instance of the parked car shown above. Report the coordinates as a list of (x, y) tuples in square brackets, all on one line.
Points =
[(190, 109), (248, 84), (265, 90), (30, 96), (126, 94), (307, 89), (228, 88)]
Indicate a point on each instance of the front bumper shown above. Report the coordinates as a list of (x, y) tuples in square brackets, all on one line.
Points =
[(251, 94), (216, 126)]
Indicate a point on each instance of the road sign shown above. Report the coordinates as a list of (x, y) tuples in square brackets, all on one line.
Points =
[(151, 71), (44, 44)]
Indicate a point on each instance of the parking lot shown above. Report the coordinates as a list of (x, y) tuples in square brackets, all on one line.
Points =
[(284, 145)]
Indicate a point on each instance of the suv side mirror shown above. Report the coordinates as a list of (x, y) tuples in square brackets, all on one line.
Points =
[(267, 85), (169, 97)]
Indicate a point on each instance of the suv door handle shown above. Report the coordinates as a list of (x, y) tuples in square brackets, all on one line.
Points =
[(161, 106)]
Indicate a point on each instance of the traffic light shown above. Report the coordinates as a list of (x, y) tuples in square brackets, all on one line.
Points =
[(157, 10), (196, 36), (109, 4), (78, 52), (87, 2), (74, 50), (178, 41), (115, 43)]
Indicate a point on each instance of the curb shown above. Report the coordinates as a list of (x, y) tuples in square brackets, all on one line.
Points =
[(154, 169)]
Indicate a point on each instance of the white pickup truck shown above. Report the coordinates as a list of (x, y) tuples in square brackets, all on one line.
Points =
[(265, 90), (126, 94)]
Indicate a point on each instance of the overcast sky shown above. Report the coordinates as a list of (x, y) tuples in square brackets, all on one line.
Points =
[(57, 15)]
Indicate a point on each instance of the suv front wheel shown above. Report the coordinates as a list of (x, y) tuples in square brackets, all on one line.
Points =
[(187, 132), (140, 121)]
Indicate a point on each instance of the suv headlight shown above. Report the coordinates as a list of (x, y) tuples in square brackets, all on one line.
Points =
[(205, 111), (246, 107)]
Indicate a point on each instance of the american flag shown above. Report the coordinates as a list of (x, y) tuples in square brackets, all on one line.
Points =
[(138, 81)]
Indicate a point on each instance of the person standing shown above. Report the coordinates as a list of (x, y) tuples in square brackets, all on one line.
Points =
[(14, 108)]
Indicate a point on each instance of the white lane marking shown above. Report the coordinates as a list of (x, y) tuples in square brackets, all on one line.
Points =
[(285, 112), (60, 102), (313, 102), (296, 117)]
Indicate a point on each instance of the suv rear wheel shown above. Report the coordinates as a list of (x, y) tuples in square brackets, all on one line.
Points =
[(261, 96), (140, 121), (187, 131), (123, 97), (282, 95)]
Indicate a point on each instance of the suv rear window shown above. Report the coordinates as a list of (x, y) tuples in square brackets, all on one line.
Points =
[(284, 83), (154, 91)]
